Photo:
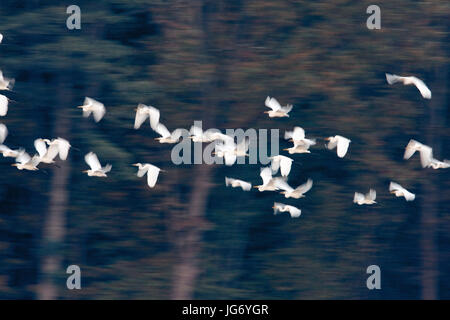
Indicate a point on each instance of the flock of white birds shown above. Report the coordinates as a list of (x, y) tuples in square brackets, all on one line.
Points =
[(48, 150)]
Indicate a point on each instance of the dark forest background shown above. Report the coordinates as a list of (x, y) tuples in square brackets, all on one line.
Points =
[(216, 61)]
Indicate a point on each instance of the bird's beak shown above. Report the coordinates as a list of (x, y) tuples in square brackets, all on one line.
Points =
[(157, 139), (283, 192), (273, 207), (327, 139), (255, 186), (85, 171), (80, 107), (135, 164), (14, 164), (291, 140), (266, 111), (285, 149)]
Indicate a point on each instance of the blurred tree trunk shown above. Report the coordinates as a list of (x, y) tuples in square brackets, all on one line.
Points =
[(54, 224), (188, 243), (430, 205)]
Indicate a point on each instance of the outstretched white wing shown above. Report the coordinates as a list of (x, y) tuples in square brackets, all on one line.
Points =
[(266, 175), (41, 147), (3, 132), (342, 146), (305, 187), (152, 175), (142, 113), (272, 103), (162, 130), (3, 105), (372, 195), (63, 148), (92, 161), (424, 91), (153, 117)]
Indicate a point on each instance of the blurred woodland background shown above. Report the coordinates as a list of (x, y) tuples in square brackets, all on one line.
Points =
[(216, 61)]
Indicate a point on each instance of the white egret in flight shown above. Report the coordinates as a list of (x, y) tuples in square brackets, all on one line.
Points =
[(198, 135), (25, 162), (45, 155), (399, 191), (96, 169), (426, 155), (3, 105), (230, 150), (340, 142), (281, 207), (151, 171), (62, 146), (296, 193), (5, 83), (424, 91), (236, 183), (369, 198), (93, 106), (3, 132), (1, 38), (7, 152), (282, 162), (269, 183), (142, 112), (277, 110), (166, 136)]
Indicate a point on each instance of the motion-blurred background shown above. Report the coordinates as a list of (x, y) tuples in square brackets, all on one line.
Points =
[(216, 61)]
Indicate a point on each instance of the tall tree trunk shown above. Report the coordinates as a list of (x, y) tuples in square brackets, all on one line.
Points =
[(430, 204), (54, 225)]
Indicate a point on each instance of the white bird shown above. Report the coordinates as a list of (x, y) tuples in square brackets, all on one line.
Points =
[(62, 146), (3, 132), (96, 169), (341, 142), (282, 162), (45, 155), (296, 193), (151, 171), (7, 152), (269, 183), (277, 110), (3, 105), (297, 136), (93, 106), (25, 162), (399, 191), (142, 112), (56, 147), (436, 164), (236, 183), (1, 38), (281, 207), (426, 155), (369, 198), (198, 135), (230, 150), (5, 83), (424, 91), (166, 136)]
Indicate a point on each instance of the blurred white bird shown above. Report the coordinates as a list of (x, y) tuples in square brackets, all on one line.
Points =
[(3, 132), (269, 183), (151, 171), (7, 152), (230, 150), (166, 136), (277, 110), (198, 135), (424, 91), (281, 207), (436, 164), (25, 162), (56, 147), (282, 162), (142, 112), (236, 183), (426, 155), (297, 136), (3, 105), (5, 83), (96, 169), (1, 38), (369, 198), (399, 191), (93, 106), (340, 142), (296, 193), (45, 155)]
